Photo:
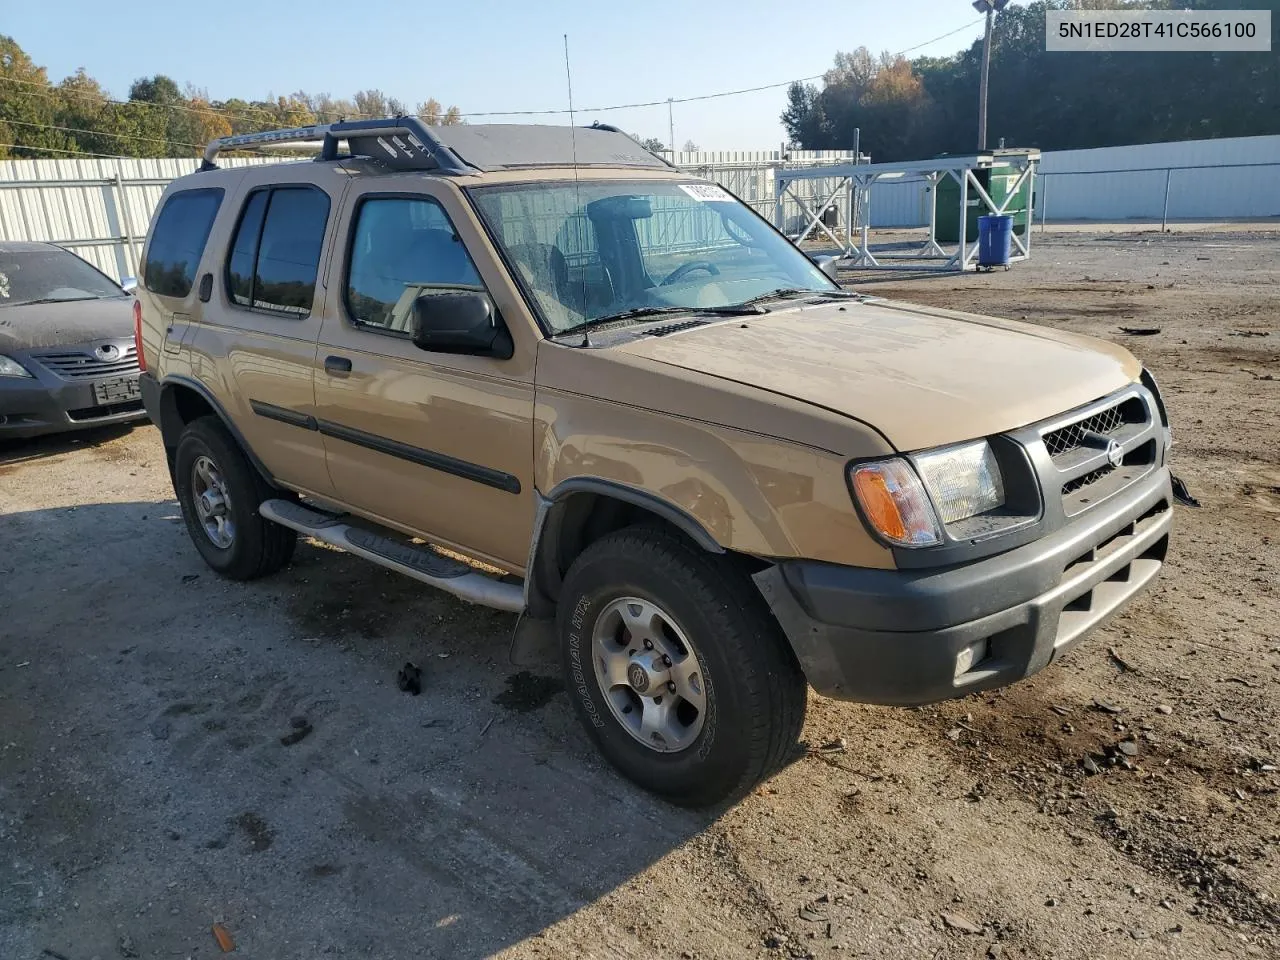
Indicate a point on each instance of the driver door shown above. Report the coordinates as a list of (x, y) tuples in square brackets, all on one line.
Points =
[(439, 445)]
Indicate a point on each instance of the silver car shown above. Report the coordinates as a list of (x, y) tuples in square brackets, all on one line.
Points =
[(67, 354)]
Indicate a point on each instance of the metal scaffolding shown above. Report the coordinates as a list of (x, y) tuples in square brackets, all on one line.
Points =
[(855, 183)]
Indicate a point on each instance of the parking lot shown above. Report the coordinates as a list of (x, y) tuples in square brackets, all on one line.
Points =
[(155, 777)]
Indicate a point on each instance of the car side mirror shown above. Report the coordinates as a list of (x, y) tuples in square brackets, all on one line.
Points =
[(459, 321), (830, 266), (129, 285)]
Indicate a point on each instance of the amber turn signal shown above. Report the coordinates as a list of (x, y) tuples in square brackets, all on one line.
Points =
[(894, 503)]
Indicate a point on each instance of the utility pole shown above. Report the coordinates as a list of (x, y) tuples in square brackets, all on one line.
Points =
[(671, 129), (990, 8)]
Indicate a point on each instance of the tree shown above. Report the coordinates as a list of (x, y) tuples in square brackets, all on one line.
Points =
[(27, 106), (1053, 101), (652, 144), (690, 147)]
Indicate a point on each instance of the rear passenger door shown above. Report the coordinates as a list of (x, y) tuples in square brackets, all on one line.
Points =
[(433, 443), (259, 330)]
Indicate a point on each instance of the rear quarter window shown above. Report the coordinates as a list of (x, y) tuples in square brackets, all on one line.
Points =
[(178, 240)]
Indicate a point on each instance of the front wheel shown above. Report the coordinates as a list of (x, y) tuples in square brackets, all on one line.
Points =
[(677, 668)]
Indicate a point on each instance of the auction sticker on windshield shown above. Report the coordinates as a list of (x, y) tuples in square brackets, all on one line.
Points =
[(707, 192)]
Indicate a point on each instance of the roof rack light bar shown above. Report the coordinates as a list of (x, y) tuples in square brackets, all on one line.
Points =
[(400, 142)]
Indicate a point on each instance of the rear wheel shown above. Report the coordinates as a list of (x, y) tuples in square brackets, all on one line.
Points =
[(676, 667), (219, 492)]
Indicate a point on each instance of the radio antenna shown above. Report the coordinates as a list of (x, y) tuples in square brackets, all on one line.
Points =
[(577, 190)]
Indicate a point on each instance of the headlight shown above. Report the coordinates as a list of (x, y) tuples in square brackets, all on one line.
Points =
[(12, 368), (908, 508), (894, 503), (965, 480)]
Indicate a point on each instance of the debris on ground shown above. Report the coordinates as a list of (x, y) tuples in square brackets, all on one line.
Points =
[(1140, 331), (811, 913), (1164, 708), (1124, 665), (126, 946), (958, 921), (190, 577), (409, 679), (301, 728), (839, 745), (1105, 706), (223, 936), (1183, 495)]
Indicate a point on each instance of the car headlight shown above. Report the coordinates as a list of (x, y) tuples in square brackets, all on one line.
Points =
[(908, 502), (10, 367), (965, 480)]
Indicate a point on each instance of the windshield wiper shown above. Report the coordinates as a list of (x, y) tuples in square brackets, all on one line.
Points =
[(24, 303), (791, 293), (735, 310)]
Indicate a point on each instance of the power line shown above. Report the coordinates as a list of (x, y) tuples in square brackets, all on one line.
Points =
[(98, 133), (707, 96), (74, 153)]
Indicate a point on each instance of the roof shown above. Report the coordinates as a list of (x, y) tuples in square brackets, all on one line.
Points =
[(503, 146), (407, 143)]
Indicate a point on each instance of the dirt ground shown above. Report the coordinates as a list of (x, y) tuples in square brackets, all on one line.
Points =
[(146, 793)]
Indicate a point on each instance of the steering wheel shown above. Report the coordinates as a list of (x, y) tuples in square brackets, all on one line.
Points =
[(681, 271)]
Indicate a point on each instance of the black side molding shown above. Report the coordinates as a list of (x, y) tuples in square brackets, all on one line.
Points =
[(488, 476), (283, 414)]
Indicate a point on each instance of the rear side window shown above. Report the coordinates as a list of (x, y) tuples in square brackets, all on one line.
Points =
[(178, 240), (275, 254)]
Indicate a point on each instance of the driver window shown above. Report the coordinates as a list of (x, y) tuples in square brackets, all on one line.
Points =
[(401, 246)]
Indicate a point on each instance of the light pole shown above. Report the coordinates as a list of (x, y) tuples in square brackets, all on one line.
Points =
[(990, 8)]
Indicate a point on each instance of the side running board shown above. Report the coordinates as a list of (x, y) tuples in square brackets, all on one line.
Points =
[(421, 563)]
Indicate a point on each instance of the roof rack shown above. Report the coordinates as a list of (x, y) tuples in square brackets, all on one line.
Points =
[(404, 143)]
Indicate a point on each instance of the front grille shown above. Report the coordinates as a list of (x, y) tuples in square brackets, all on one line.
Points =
[(1088, 479), (1105, 423), (83, 365), (105, 410)]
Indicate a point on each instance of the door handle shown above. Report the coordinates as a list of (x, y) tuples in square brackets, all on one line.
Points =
[(336, 365)]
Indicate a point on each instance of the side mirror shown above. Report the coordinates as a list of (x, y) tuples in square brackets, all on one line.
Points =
[(129, 285), (830, 266), (459, 321)]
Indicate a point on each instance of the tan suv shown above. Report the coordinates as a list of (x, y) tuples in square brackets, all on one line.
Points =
[(713, 473)]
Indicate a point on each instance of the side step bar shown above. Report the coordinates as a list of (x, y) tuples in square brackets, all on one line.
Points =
[(421, 563)]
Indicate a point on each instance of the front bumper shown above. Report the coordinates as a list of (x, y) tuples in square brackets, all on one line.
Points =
[(48, 405), (909, 637)]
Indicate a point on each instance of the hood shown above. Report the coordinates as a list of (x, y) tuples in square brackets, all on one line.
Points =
[(59, 324), (922, 377)]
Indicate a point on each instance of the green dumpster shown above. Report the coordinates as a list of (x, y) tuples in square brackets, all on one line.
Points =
[(999, 182)]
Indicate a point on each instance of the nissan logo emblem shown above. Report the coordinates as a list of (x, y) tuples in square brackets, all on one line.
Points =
[(107, 352), (1115, 454)]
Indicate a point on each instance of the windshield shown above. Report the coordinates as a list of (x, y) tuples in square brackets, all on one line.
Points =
[(50, 274), (600, 249)]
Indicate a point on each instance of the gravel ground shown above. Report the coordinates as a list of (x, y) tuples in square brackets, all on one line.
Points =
[(177, 751)]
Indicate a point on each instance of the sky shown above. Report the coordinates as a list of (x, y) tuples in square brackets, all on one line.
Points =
[(498, 55)]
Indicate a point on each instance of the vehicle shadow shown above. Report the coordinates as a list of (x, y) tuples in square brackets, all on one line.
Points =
[(14, 452), (256, 757)]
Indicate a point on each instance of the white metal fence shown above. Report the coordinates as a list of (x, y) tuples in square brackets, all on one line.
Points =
[(101, 208), (1229, 179)]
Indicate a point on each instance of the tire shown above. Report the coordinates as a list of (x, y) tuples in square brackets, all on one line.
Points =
[(251, 546), (754, 693)]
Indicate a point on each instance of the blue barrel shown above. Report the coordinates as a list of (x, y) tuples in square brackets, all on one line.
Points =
[(995, 240)]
